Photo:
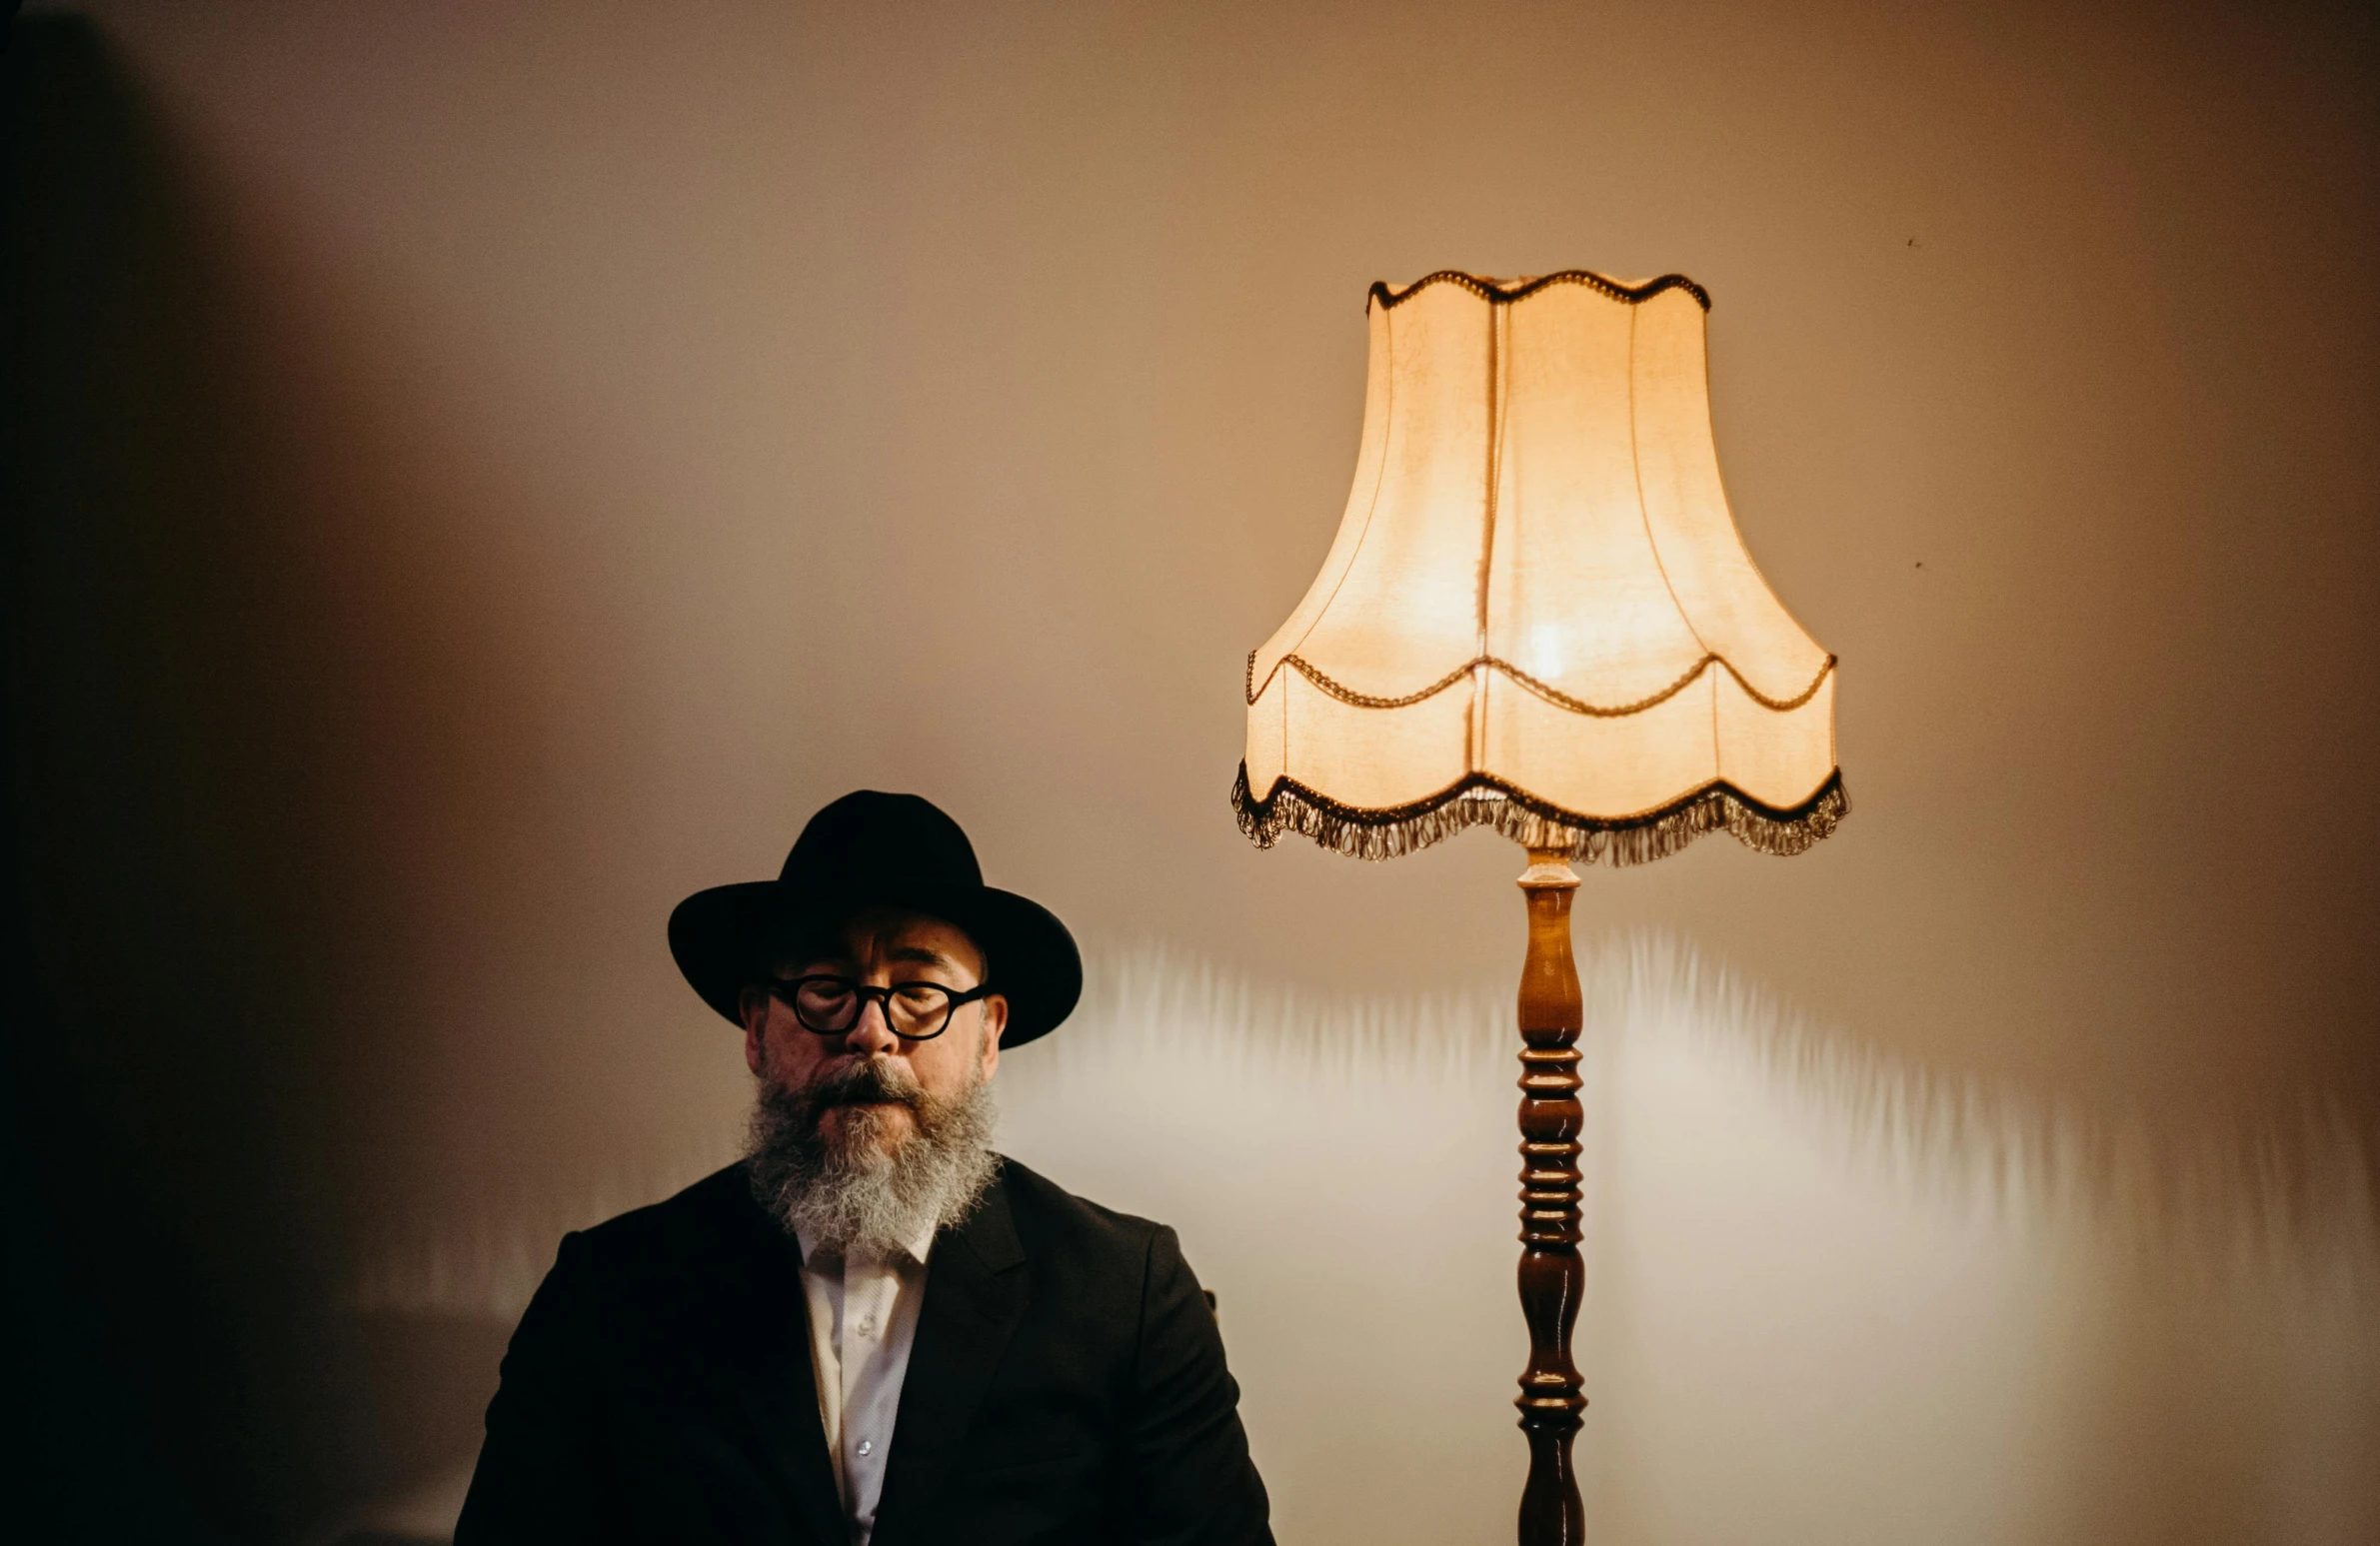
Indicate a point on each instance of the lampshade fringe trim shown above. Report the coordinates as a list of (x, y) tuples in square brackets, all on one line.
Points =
[(1481, 800)]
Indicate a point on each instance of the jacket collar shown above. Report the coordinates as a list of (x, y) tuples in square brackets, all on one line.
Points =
[(975, 1288), (773, 1376)]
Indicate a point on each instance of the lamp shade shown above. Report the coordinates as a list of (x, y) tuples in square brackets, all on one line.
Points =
[(1537, 613)]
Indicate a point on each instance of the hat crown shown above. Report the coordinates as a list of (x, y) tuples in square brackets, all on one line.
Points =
[(869, 836)]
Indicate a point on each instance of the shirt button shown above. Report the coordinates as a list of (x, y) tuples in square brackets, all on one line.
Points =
[(868, 1327), (867, 1446)]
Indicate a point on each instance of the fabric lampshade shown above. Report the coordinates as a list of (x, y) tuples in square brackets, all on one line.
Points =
[(1537, 613)]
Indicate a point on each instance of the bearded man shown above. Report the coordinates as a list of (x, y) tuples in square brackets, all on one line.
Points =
[(874, 1330)]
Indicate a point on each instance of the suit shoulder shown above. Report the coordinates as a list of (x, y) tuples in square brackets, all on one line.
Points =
[(674, 1224), (1045, 1207)]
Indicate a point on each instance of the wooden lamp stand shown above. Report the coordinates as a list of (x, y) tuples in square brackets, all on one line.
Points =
[(1552, 1275)]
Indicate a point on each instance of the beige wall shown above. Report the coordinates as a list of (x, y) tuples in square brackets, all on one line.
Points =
[(510, 463)]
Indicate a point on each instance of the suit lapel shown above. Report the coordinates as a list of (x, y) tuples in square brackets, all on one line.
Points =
[(778, 1383), (975, 1288)]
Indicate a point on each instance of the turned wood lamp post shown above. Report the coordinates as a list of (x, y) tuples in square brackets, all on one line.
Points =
[(1539, 617)]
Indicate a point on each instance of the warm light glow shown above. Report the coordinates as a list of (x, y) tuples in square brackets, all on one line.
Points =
[(1537, 591)]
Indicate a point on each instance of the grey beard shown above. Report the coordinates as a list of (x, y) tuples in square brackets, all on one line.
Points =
[(850, 1196)]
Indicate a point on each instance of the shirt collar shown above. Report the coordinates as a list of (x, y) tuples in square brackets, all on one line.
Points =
[(918, 1247)]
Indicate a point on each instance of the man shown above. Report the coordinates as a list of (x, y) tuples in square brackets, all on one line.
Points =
[(872, 1330)]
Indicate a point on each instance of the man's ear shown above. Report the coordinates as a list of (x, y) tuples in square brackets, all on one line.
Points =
[(995, 1020), (752, 1005)]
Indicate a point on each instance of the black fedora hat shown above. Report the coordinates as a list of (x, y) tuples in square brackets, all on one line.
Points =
[(874, 849)]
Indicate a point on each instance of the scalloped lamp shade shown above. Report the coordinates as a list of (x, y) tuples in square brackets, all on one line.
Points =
[(1538, 615)]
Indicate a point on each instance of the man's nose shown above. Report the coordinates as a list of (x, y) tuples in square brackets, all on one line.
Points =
[(870, 1032)]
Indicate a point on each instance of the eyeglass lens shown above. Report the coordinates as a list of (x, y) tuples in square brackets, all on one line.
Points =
[(831, 1005)]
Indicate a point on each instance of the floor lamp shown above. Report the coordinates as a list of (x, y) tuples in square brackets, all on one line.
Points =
[(1539, 617)]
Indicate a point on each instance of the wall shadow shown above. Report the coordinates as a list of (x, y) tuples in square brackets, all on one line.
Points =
[(198, 732)]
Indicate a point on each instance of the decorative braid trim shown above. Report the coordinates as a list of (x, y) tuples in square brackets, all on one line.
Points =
[(1544, 689), (1492, 293), (1482, 799)]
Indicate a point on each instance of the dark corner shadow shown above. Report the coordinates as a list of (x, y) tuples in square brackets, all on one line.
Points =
[(190, 753)]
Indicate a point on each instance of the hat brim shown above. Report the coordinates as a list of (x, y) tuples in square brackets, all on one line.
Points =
[(717, 936)]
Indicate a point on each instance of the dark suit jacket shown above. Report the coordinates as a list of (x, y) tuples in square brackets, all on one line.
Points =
[(1066, 1385)]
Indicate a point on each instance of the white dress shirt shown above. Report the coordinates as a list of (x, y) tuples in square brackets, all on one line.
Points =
[(863, 1318)]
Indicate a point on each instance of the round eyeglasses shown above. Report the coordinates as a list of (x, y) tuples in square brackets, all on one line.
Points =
[(830, 1006)]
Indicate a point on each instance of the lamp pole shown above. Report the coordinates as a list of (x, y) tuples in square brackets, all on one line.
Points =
[(1552, 1275)]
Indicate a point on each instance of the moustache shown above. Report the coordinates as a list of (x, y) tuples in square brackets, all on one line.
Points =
[(865, 1081)]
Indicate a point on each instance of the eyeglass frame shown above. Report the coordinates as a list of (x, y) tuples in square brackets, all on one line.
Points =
[(785, 992)]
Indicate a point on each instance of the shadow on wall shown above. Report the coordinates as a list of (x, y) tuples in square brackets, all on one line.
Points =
[(198, 706), (1831, 1300), (1826, 1302)]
